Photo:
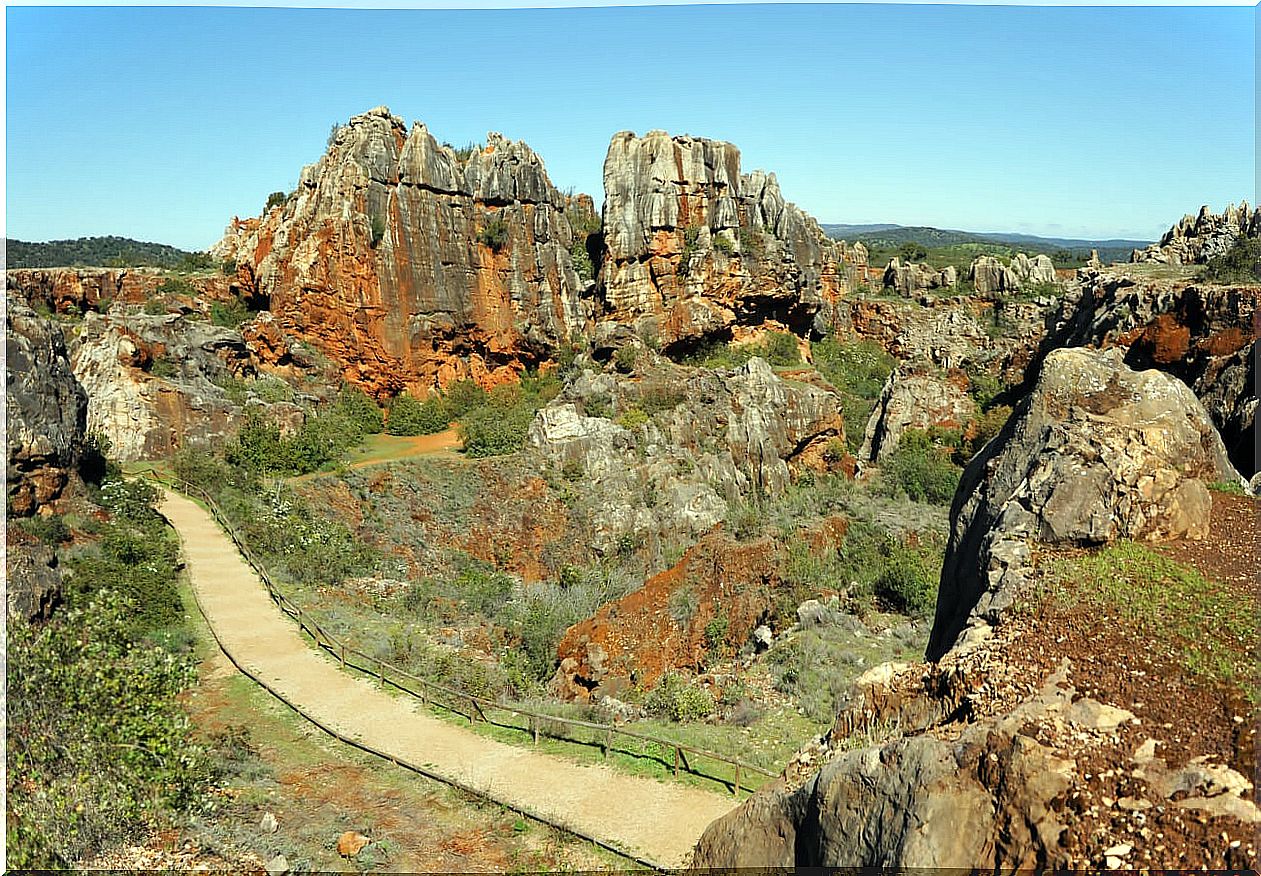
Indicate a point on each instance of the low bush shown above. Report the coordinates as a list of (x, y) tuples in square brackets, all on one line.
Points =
[(98, 746), (1239, 264), (922, 468), (676, 699), (232, 314), (494, 233)]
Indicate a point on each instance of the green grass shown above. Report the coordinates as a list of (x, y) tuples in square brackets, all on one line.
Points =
[(1212, 627), (1231, 488)]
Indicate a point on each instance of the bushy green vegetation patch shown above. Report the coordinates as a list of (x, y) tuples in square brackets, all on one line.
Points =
[(1239, 264), (922, 465), (490, 423), (324, 436), (777, 348), (858, 370)]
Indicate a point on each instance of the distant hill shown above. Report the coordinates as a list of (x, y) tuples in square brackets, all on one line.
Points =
[(888, 237), (108, 252)]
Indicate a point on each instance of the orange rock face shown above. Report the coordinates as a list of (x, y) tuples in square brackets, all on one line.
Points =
[(79, 290), (414, 265)]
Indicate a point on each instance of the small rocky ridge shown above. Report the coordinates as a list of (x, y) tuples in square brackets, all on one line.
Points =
[(1193, 240)]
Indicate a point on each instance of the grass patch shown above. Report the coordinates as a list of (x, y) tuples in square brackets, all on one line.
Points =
[(1214, 629)]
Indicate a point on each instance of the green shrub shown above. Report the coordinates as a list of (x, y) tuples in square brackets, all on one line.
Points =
[(583, 265), (98, 746), (494, 233), (175, 286), (682, 605), (626, 357), (780, 348), (1240, 264), (377, 228), (908, 580), (232, 314), (408, 416), (633, 418), (922, 469), (359, 408), (491, 431), (1231, 488), (275, 199), (674, 698), (716, 632), (155, 307), (723, 245), (162, 367)]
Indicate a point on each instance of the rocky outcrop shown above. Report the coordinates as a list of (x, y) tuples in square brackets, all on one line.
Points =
[(990, 276), (910, 279), (949, 333), (1000, 793), (412, 264), (662, 452), (46, 411), (80, 290), (1096, 452), (1203, 334), (32, 576), (693, 246), (157, 383), (1196, 239), (913, 400)]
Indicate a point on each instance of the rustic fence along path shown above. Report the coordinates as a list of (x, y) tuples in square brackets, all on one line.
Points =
[(654, 822)]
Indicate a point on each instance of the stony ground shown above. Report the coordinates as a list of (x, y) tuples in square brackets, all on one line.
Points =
[(1114, 807)]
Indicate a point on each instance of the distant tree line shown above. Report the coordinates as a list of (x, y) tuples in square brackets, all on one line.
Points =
[(103, 252)]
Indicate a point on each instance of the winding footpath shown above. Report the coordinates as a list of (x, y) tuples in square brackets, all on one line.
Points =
[(655, 821)]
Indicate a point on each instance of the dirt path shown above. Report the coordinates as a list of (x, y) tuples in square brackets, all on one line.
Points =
[(660, 822)]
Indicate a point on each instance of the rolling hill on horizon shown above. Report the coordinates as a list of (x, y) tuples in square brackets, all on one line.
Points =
[(891, 236)]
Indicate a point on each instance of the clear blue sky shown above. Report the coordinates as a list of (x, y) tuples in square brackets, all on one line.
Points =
[(163, 123)]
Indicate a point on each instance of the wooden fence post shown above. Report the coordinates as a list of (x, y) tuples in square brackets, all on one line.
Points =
[(735, 792), (343, 655), (608, 741), (534, 729), (676, 761)]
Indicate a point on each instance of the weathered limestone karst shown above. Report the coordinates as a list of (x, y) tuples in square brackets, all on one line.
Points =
[(660, 454), (911, 278), (989, 275), (1201, 333), (915, 400), (1095, 453), (155, 383), (693, 246), (45, 409), (79, 290), (1196, 239), (412, 264)]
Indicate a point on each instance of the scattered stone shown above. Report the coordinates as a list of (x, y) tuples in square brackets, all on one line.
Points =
[(268, 823), (277, 866), (351, 843)]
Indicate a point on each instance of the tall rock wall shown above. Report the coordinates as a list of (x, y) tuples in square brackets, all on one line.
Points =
[(693, 246), (45, 410), (413, 264)]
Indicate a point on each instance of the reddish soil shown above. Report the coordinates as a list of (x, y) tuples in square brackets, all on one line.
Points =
[(1190, 716)]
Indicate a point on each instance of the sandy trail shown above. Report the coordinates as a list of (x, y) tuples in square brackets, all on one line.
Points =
[(659, 821)]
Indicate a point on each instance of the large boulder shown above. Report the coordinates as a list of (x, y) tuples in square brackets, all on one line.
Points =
[(412, 264), (990, 276), (46, 410), (693, 246), (912, 400), (1096, 452), (1034, 271), (1199, 332)]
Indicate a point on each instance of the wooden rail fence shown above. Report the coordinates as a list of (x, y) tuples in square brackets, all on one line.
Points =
[(468, 705)]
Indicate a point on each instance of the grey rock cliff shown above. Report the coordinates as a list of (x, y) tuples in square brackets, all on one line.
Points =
[(46, 411)]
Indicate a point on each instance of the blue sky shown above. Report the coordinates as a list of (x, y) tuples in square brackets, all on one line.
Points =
[(163, 123)]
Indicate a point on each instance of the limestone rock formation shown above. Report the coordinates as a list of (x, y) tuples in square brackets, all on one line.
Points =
[(32, 576), (412, 264), (1095, 453), (912, 400), (1196, 239), (79, 290), (989, 276), (693, 246), (681, 443), (155, 383), (46, 411), (1203, 334), (910, 278)]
